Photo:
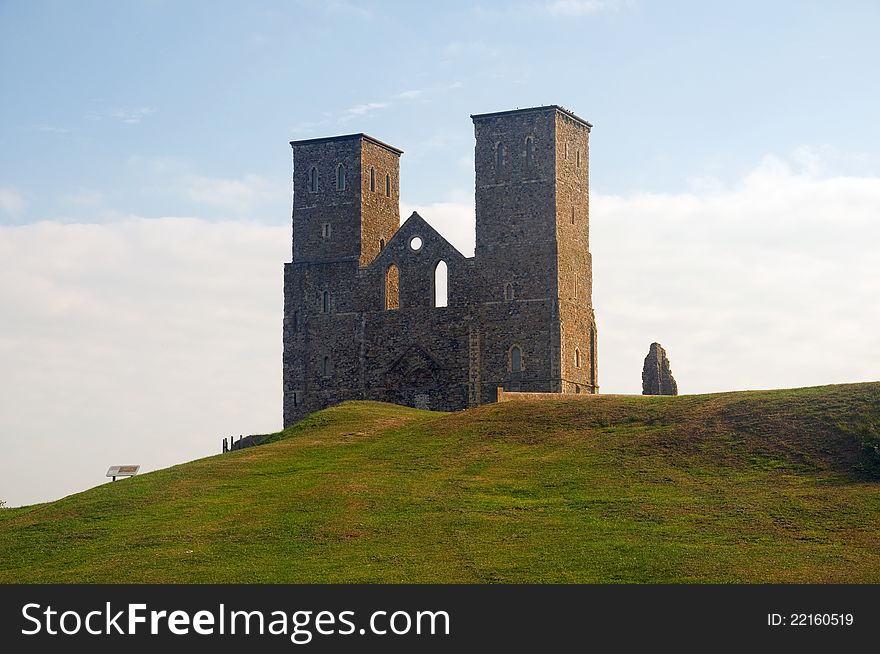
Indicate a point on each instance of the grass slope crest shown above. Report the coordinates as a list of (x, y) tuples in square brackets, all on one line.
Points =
[(768, 486)]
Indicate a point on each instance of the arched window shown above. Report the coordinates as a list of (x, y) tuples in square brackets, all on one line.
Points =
[(530, 151), (325, 366), (499, 157), (372, 178), (441, 279), (313, 180), (340, 177), (325, 302), (577, 358), (388, 186), (508, 292), (392, 287), (515, 359)]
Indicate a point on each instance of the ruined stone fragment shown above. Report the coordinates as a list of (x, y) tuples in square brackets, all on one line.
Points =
[(657, 376)]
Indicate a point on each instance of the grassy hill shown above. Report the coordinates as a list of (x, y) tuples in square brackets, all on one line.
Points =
[(770, 486)]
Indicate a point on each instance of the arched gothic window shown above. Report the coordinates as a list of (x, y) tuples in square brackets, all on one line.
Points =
[(441, 279), (392, 287), (500, 155)]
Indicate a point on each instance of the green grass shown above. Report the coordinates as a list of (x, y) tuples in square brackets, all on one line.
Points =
[(770, 486)]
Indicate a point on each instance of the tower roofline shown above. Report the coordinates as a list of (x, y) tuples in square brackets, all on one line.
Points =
[(347, 137), (548, 107)]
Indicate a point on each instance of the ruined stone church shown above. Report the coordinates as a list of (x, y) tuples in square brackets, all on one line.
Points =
[(364, 312)]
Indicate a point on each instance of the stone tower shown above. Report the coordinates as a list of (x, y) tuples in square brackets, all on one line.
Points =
[(346, 206), (532, 222), (363, 312)]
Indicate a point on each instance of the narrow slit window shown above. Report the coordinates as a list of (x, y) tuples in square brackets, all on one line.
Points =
[(572, 215), (530, 151), (372, 179), (325, 366), (313, 180), (508, 292), (381, 244), (325, 302), (499, 157), (515, 359), (578, 159), (340, 178), (388, 186), (577, 358)]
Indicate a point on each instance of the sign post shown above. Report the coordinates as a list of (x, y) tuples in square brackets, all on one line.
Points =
[(122, 471)]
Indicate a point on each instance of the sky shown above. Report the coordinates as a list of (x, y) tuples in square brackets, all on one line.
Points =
[(145, 194)]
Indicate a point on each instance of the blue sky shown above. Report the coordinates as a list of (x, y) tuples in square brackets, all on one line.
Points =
[(106, 102), (145, 194)]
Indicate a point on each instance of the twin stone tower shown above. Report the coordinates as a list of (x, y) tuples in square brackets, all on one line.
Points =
[(365, 315)]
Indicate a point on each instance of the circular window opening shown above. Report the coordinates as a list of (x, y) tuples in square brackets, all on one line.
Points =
[(415, 243)]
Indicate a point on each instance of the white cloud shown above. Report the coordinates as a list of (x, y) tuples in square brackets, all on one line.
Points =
[(772, 283), (142, 341), (11, 201), (249, 196), (412, 94), (361, 109), (236, 196)]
